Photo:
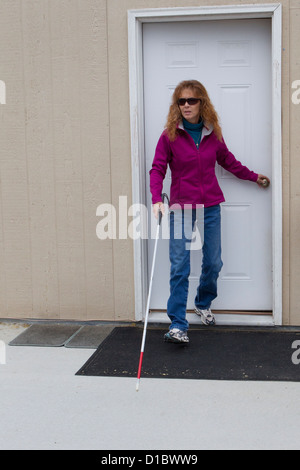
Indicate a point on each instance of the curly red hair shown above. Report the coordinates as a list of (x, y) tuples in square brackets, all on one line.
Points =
[(208, 112)]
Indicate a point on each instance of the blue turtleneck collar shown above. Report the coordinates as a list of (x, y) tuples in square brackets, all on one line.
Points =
[(195, 130)]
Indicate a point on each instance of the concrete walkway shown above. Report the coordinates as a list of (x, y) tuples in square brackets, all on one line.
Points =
[(45, 406)]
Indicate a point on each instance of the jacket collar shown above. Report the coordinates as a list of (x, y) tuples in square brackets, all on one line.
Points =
[(207, 128)]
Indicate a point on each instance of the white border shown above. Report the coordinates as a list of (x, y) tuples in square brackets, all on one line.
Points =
[(136, 18)]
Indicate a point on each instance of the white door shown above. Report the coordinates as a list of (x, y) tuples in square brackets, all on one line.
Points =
[(233, 60)]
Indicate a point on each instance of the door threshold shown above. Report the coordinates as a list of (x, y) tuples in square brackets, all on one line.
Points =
[(224, 318), (241, 312)]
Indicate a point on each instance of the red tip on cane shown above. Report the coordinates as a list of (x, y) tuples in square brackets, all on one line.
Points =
[(140, 366), (139, 372)]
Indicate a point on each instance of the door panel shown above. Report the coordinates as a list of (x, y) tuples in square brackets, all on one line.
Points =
[(233, 60)]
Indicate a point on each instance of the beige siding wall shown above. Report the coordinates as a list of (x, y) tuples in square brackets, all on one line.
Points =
[(292, 290), (65, 149), (54, 160)]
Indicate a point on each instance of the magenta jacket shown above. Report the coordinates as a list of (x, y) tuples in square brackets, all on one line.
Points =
[(193, 170)]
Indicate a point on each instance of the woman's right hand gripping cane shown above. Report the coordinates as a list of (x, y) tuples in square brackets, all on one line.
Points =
[(157, 208)]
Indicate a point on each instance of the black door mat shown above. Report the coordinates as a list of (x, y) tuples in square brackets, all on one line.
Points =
[(212, 354), (89, 337), (54, 335)]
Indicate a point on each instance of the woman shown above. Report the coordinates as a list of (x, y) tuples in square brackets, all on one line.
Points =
[(191, 145)]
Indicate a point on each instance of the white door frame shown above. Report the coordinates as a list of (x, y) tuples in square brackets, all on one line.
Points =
[(136, 19)]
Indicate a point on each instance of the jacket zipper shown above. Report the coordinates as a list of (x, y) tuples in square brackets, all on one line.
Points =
[(200, 167)]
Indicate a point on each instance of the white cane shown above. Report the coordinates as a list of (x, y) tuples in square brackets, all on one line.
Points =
[(149, 297)]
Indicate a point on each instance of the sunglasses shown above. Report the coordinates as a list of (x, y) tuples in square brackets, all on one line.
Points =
[(189, 101)]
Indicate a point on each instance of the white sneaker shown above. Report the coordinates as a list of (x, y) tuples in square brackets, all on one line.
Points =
[(176, 336), (207, 316)]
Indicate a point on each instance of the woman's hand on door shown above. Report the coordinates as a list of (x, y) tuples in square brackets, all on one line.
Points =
[(263, 181)]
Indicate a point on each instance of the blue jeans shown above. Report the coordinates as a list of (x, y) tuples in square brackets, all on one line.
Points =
[(181, 228)]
